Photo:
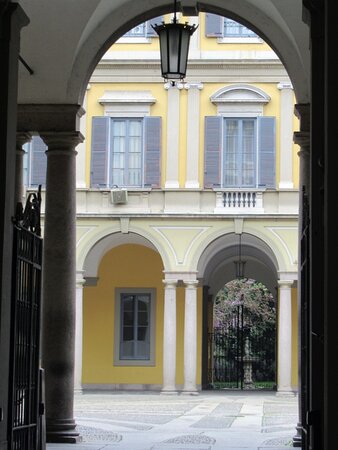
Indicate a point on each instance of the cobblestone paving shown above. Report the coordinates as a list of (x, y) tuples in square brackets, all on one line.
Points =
[(210, 421)]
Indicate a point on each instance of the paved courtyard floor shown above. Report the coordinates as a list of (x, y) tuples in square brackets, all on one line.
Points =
[(213, 420)]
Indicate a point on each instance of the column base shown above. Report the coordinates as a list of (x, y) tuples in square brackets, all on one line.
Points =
[(297, 439), (168, 392), (62, 431), (190, 392), (285, 393)]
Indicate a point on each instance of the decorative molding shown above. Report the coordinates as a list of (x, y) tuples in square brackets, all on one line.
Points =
[(243, 93), (284, 85)]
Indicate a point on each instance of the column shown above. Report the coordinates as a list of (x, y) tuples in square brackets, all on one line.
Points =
[(169, 338), (173, 129), (302, 138), (21, 139), (190, 338), (80, 281), (59, 281), (193, 134), (286, 128), (284, 338), (12, 19)]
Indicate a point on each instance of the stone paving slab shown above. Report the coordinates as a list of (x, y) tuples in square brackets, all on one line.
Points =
[(209, 421)]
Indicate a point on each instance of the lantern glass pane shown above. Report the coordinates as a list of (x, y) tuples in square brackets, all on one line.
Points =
[(185, 39), (163, 35), (174, 46)]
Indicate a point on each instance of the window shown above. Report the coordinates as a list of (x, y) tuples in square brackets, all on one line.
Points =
[(239, 168), (239, 152), (135, 320), (35, 162), (222, 27), (235, 29), (144, 29), (126, 149), (126, 152)]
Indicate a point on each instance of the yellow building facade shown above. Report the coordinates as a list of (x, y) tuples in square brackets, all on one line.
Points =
[(170, 178)]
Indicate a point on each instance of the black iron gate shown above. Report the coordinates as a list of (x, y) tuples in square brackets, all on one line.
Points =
[(25, 328), (242, 354)]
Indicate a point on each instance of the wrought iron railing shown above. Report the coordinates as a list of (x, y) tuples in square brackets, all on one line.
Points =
[(24, 397)]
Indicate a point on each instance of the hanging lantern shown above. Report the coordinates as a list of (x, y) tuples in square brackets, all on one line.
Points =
[(174, 47), (239, 263)]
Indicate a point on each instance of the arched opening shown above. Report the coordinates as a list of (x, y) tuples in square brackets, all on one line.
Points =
[(148, 101), (242, 345)]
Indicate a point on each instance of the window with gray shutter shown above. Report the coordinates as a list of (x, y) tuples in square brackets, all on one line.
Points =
[(213, 25), (38, 162), (152, 151), (212, 151), (267, 152), (126, 152), (99, 151)]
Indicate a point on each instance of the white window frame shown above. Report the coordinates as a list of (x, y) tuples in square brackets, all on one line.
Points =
[(111, 152), (238, 118), (238, 40), (117, 334), (126, 105)]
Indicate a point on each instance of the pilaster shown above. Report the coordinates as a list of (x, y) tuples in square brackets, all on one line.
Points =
[(286, 127), (173, 127), (169, 337), (190, 337), (193, 133), (80, 281), (284, 338), (21, 139)]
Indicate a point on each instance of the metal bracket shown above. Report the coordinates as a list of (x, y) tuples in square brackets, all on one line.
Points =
[(190, 8)]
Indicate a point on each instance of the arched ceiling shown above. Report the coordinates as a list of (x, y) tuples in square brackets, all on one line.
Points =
[(101, 247), (65, 39), (216, 266)]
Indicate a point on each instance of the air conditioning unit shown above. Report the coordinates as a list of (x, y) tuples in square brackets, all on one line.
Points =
[(119, 196)]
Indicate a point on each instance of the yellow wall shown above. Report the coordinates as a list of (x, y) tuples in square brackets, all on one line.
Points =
[(94, 108), (128, 266)]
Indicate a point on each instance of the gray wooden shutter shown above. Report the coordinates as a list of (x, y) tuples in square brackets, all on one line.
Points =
[(38, 162), (213, 25), (150, 32), (212, 151), (267, 152), (99, 151), (152, 151)]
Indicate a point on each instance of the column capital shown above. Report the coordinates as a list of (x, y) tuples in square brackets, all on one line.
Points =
[(22, 137), (80, 281), (302, 112), (198, 86), (61, 140), (285, 283), (191, 283), (170, 283), (284, 85), (44, 118), (302, 138)]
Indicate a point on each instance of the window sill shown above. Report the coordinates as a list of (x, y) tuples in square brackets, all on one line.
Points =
[(134, 40), (240, 40), (134, 363)]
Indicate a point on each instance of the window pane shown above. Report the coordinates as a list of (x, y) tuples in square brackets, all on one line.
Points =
[(248, 153), (135, 326), (231, 153), (137, 31), (235, 29), (126, 160)]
